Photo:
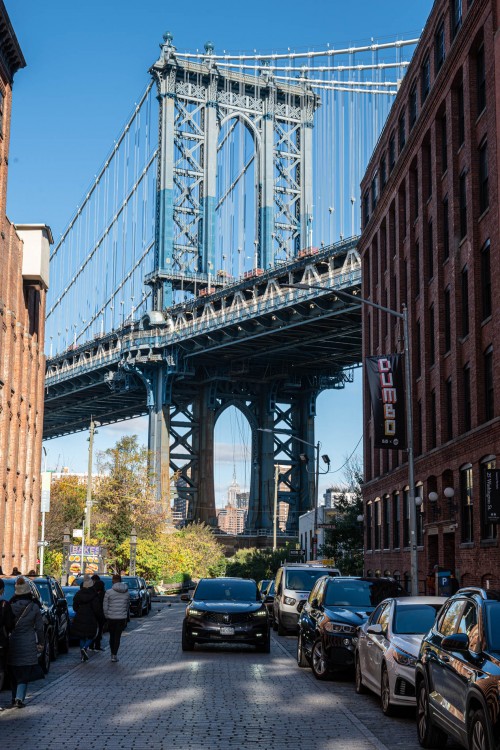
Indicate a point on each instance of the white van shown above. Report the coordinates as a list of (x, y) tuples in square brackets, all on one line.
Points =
[(293, 584)]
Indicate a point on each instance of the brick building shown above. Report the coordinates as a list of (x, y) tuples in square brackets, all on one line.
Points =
[(24, 252), (431, 240)]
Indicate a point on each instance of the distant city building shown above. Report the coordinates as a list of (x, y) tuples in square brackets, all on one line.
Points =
[(24, 278), (283, 509), (242, 500), (231, 520), (333, 494)]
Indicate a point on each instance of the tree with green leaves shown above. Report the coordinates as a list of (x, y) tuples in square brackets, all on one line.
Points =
[(67, 503), (345, 543), (256, 563)]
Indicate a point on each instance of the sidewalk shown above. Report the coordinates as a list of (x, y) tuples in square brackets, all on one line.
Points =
[(156, 697)]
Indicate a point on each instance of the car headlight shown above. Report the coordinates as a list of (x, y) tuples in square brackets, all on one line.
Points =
[(194, 612), (134, 595), (289, 600), (403, 657), (339, 627), (260, 613)]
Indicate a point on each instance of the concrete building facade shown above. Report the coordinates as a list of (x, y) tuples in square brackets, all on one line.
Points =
[(24, 252), (431, 241)]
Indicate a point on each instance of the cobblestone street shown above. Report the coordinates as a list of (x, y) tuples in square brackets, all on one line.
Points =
[(216, 697)]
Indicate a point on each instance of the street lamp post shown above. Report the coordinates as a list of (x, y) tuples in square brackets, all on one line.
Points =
[(133, 551), (275, 504), (66, 543), (409, 413)]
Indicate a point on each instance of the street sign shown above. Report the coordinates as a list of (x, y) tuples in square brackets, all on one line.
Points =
[(297, 552), (78, 533), (326, 526)]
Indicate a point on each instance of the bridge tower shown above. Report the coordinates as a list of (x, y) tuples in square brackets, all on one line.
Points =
[(197, 100)]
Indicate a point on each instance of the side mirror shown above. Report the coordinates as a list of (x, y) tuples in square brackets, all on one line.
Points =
[(375, 629), (62, 603), (456, 642), (269, 598), (185, 598), (315, 603)]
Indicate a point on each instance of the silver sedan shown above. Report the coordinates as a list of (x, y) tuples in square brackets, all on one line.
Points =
[(388, 646)]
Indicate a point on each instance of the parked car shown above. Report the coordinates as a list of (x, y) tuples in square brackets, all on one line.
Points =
[(140, 603), (69, 592), (457, 676), (8, 593), (388, 646), (149, 593), (293, 584), (263, 585), (225, 610), (268, 599), (107, 581), (57, 609), (329, 621)]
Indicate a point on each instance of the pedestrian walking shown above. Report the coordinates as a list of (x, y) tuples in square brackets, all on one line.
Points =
[(88, 615), (6, 626), (116, 609), (26, 642), (99, 587)]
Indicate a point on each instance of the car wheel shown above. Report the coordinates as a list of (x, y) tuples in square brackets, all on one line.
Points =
[(54, 647), (428, 735), (281, 629), (318, 661), (302, 659), (358, 678), (187, 642), (44, 659), (265, 647), (385, 693), (478, 733), (64, 642)]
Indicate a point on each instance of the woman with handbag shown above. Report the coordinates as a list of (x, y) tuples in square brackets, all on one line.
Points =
[(26, 641)]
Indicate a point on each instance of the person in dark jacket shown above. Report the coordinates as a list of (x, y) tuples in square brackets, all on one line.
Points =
[(6, 626), (99, 587), (26, 641), (88, 609), (116, 608)]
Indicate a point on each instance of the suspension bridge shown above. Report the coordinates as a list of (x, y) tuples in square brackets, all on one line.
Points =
[(235, 178)]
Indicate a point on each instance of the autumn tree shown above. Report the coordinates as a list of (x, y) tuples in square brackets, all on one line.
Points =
[(67, 502)]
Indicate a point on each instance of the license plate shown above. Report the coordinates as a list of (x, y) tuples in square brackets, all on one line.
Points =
[(227, 631)]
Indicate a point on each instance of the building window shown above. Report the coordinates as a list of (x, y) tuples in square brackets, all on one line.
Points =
[(465, 301), (439, 46), (467, 401), (378, 525), (446, 230), (387, 522), (392, 152), (481, 79), (383, 172), (444, 144), (447, 320), (1, 112), (449, 409), (425, 79), (369, 526), (456, 17), (433, 420), (417, 268), (420, 432), (406, 518), (413, 106), (374, 193), (395, 520), (462, 189), (432, 339), (461, 114), (486, 280), (415, 193), (466, 505), (366, 209), (402, 131), (489, 402), (484, 196), (430, 251), (418, 368), (488, 530)]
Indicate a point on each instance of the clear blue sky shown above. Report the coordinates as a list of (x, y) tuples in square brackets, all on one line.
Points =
[(87, 64)]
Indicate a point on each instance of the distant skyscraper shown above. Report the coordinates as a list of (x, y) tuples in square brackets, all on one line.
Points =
[(242, 500)]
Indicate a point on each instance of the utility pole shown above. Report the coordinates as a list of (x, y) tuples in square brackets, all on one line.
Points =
[(89, 479)]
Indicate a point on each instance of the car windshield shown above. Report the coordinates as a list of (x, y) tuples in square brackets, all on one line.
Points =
[(493, 625), (43, 588), (415, 618), (8, 591), (223, 590), (358, 592), (108, 582), (132, 583), (303, 580)]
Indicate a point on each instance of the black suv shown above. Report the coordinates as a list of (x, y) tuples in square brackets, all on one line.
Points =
[(57, 611), (329, 621), (9, 583), (457, 676), (140, 597)]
